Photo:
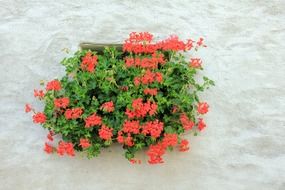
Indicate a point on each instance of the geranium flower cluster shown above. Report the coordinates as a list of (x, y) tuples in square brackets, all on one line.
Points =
[(141, 109), (144, 44), (138, 97), (146, 62), (89, 62), (148, 78)]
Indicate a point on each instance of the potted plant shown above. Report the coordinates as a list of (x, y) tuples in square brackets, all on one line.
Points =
[(141, 94)]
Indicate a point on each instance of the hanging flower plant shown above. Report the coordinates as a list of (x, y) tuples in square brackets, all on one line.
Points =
[(144, 96)]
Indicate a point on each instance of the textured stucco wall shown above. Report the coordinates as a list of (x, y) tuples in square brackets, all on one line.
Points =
[(243, 146)]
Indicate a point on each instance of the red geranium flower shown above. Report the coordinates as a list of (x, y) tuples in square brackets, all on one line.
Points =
[(28, 108), (170, 140), (48, 149), (108, 106), (129, 62), (53, 85), (105, 133), (184, 145), (201, 124), (140, 37), (61, 102), (189, 45), (120, 137), (154, 128), (195, 63), (39, 93), (148, 77), (134, 161), (89, 62), (129, 140), (137, 81), (141, 109), (150, 91), (84, 143), (158, 77), (152, 109), (131, 127), (65, 148), (202, 107), (201, 43), (73, 113), (186, 122), (39, 118), (49, 136), (93, 120), (155, 153)]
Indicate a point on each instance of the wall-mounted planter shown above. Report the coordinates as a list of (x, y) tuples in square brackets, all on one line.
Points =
[(99, 47)]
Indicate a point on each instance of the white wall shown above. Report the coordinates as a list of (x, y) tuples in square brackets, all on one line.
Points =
[(243, 146)]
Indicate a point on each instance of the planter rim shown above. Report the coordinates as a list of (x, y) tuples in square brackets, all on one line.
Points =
[(98, 46)]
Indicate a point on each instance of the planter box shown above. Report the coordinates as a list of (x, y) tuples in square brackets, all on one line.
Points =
[(99, 47)]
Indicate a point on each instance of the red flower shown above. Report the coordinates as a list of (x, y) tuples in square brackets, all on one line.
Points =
[(28, 108), (105, 133), (53, 85), (39, 118), (195, 63), (120, 138), (155, 152), (141, 109), (154, 128), (146, 62), (172, 43), (201, 124), (69, 149), (129, 62), (130, 114), (89, 62), (151, 92), (170, 140), (202, 107), (201, 43), (153, 109), (61, 148), (131, 127), (140, 37), (186, 122), (148, 77), (134, 161), (129, 140), (184, 145), (73, 113), (157, 58), (84, 143), (137, 81), (65, 148), (39, 93), (138, 43), (61, 102), (49, 136), (93, 120), (189, 44), (48, 149), (158, 77), (108, 106)]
